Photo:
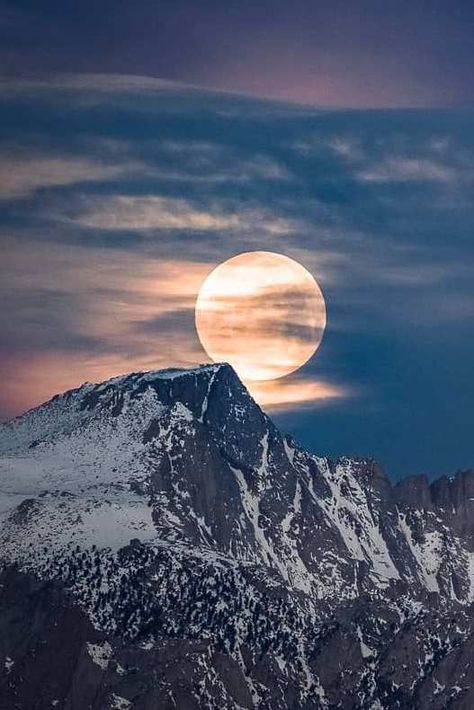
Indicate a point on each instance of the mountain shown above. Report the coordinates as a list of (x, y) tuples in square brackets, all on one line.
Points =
[(164, 545)]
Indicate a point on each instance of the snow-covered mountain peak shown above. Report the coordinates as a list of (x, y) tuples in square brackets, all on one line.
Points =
[(171, 507), (117, 395)]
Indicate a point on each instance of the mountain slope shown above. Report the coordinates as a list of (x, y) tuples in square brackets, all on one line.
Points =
[(186, 533)]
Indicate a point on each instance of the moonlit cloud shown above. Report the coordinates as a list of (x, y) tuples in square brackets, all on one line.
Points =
[(398, 169), (81, 316), (151, 212), (21, 176), (284, 394), (347, 148), (126, 316), (117, 202), (200, 161)]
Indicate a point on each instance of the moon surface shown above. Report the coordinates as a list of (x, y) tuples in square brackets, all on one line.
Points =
[(262, 312)]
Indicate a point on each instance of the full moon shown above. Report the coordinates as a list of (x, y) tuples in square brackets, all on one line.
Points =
[(261, 312)]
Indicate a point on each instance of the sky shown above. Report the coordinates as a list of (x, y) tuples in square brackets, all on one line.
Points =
[(120, 194), (330, 52), (142, 144)]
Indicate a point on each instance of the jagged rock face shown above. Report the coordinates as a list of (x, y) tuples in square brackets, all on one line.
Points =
[(194, 557)]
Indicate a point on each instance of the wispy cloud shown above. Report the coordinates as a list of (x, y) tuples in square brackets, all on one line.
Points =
[(21, 176), (113, 217), (212, 162), (88, 314), (154, 212), (109, 292), (406, 169), (286, 394), (103, 83), (346, 147), (343, 146), (82, 311), (151, 212)]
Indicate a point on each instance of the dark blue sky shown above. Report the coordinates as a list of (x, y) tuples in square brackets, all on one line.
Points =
[(365, 53), (120, 194)]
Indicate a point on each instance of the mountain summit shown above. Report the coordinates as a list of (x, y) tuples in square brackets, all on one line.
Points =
[(163, 544)]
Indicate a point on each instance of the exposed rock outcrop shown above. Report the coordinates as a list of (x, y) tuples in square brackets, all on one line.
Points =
[(164, 545)]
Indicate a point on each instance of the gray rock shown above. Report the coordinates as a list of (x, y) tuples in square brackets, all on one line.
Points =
[(163, 544)]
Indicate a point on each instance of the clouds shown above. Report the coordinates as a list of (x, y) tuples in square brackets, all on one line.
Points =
[(93, 293), (118, 198), (150, 212), (325, 52), (91, 309), (213, 163), (22, 175), (288, 394), (404, 169)]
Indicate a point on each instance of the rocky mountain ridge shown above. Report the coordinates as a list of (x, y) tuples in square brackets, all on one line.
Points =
[(167, 514)]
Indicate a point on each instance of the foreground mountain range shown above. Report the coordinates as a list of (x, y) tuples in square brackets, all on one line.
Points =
[(163, 545)]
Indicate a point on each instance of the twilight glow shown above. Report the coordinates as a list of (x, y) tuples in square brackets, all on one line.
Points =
[(113, 218)]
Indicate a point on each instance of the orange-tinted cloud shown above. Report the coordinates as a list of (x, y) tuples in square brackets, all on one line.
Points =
[(116, 311), (286, 393), (83, 314)]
